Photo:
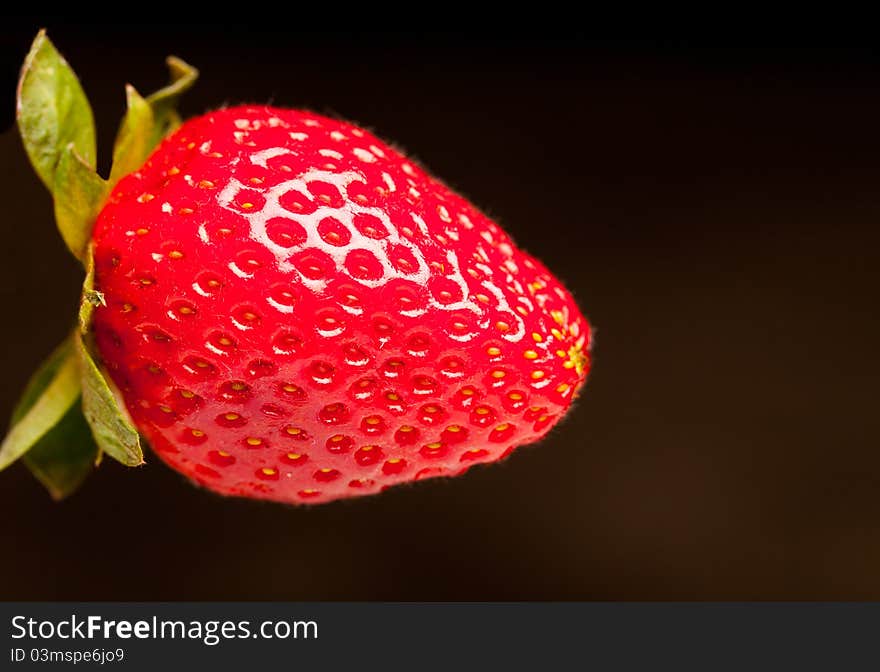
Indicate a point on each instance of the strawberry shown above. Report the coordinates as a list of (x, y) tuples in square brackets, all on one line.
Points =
[(293, 310)]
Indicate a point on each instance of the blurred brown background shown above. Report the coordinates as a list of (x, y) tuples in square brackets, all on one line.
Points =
[(716, 210)]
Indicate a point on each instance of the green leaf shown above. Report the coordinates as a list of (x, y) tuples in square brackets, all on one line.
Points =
[(164, 101), (65, 456), (52, 110), (106, 414), (134, 142), (41, 379), (148, 120), (79, 194), (49, 394), (91, 298)]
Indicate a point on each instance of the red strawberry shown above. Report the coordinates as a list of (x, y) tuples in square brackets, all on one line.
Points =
[(291, 309), (297, 312)]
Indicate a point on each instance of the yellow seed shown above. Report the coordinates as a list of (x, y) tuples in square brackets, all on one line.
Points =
[(206, 184), (368, 448), (563, 388), (543, 418), (325, 470), (493, 351), (127, 307), (142, 231), (373, 420), (498, 374), (558, 335), (502, 326), (482, 411), (558, 317), (537, 337), (535, 409), (290, 388), (186, 211), (502, 427), (467, 392), (232, 416), (433, 446), (568, 365), (186, 394), (254, 441), (406, 429), (336, 438), (256, 180), (293, 457), (537, 375), (185, 310), (223, 453), (175, 254), (173, 171), (561, 353), (516, 396), (530, 354), (396, 460), (431, 409), (247, 206), (293, 431), (224, 341), (268, 471), (391, 396), (165, 409), (453, 428)]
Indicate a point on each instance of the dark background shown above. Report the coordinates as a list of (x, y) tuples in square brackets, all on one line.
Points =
[(715, 210)]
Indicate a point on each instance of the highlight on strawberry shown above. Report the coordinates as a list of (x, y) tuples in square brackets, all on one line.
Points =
[(280, 304)]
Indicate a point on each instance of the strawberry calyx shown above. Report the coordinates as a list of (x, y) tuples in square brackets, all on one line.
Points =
[(70, 413)]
